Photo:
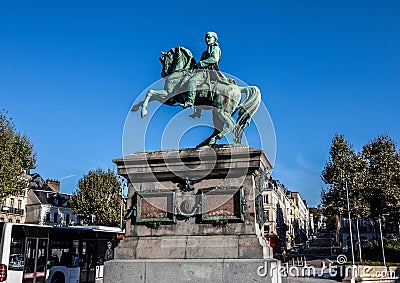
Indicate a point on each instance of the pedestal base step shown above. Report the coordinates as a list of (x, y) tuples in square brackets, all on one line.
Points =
[(193, 270)]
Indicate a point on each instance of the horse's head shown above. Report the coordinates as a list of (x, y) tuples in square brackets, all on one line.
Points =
[(166, 60), (176, 59)]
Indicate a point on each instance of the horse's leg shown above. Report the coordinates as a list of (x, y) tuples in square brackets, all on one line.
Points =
[(227, 104), (228, 120), (159, 95), (218, 127), (220, 118), (136, 106)]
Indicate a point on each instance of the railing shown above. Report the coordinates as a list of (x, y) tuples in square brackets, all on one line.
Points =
[(12, 210)]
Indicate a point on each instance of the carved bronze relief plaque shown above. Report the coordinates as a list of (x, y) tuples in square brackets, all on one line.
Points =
[(222, 204), (154, 206)]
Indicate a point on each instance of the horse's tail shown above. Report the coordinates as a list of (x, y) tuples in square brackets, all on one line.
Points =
[(247, 109)]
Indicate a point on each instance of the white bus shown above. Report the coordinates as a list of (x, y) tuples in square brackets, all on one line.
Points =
[(54, 254)]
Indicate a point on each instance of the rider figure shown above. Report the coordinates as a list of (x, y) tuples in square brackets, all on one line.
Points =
[(209, 61)]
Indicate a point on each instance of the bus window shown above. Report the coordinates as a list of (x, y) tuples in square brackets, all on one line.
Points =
[(105, 250), (75, 253), (30, 260), (16, 261), (42, 258), (35, 260), (58, 253), (88, 263)]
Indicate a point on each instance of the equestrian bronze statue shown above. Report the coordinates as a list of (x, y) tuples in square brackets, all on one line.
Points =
[(201, 85)]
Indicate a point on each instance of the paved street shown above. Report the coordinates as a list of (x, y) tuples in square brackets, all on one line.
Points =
[(318, 252)]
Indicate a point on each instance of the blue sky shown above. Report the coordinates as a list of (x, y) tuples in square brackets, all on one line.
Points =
[(70, 70)]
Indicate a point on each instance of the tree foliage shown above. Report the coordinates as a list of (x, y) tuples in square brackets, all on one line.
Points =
[(345, 168), (16, 158), (382, 185), (98, 198), (372, 177)]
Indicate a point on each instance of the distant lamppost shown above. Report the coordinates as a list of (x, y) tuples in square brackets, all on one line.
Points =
[(350, 226), (359, 239), (352, 280), (383, 249)]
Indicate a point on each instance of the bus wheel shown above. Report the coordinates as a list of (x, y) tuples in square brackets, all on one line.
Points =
[(58, 278)]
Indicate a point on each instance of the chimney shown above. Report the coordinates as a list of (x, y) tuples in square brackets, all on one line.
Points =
[(53, 184)]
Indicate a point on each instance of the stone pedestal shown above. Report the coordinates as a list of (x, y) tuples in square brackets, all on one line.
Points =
[(192, 270), (194, 207)]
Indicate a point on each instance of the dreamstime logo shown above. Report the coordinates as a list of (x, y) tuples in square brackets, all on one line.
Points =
[(341, 259), (328, 271), (163, 129)]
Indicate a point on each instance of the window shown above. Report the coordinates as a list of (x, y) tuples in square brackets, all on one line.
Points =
[(55, 217), (61, 254), (11, 203), (67, 219), (10, 220), (17, 221), (2, 219), (266, 213), (266, 199), (16, 261), (19, 204)]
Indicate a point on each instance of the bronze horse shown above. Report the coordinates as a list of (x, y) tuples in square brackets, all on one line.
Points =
[(221, 97)]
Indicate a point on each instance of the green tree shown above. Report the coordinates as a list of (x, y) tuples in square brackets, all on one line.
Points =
[(16, 158), (98, 198), (345, 167), (331, 222), (382, 184)]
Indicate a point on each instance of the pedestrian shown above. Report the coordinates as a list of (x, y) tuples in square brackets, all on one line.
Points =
[(284, 256)]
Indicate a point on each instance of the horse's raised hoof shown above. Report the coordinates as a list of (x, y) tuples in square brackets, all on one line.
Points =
[(135, 108), (212, 141), (144, 112)]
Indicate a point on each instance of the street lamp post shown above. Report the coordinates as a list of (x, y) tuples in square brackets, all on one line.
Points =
[(351, 230), (383, 249), (352, 280), (359, 239)]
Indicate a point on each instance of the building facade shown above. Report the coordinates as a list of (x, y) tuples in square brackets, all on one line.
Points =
[(302, 219), (40, 203), (46, 205), (286, 214), (13, 208)]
